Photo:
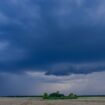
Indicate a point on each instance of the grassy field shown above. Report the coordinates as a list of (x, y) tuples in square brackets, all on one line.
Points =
[(40, 101)]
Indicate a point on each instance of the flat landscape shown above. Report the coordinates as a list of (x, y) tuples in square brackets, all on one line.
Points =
[(39, 101)]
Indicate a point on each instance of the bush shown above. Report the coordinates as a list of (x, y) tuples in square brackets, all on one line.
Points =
[(72, 96), (56, 94), (45, 96)]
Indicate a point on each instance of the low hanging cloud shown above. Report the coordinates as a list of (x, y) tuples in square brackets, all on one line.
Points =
[(68, 69)]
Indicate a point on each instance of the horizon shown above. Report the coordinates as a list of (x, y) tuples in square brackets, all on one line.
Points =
[(50, 45)]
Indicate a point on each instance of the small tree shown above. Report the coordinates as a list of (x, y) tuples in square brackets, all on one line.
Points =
[(45, 96), (72, 96), (56, 94)]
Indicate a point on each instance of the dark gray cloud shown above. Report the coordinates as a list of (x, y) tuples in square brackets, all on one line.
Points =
[(68, 69), (36, 35)]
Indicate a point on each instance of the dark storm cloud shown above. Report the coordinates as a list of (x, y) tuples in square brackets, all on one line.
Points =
[(35, 35), (68, 69)]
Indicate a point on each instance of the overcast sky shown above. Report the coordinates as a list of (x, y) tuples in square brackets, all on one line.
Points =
[(50, 45)]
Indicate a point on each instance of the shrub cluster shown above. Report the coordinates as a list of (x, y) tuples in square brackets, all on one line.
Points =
[(57, 95)]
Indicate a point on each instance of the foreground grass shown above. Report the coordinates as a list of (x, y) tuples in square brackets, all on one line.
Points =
[(40, 101)]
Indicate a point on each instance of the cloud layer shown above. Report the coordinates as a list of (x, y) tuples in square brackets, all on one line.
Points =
[(39, 34), (53, 37)]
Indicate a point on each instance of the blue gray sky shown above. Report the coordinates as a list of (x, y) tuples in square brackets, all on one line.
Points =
[(50, 45)]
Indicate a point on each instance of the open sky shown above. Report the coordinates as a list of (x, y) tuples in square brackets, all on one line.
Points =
[(50, 45)]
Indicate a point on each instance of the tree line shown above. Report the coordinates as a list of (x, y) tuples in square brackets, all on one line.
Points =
[(58, 95)]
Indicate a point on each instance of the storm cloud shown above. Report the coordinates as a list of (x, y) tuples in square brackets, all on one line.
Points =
[(58, 44), (39, 34)]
